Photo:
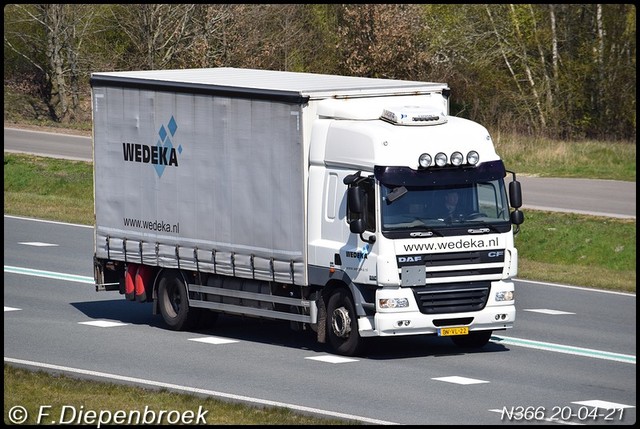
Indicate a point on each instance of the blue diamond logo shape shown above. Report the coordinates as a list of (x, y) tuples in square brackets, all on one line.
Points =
[(173, 126)]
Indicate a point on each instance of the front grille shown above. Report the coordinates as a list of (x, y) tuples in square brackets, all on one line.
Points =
[(464, 264), (464, 272), (452, 298)]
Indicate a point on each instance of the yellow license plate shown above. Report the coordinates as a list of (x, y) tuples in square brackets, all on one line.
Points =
[(456, 330)]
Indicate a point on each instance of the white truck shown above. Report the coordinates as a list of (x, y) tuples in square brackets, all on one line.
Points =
[(314, 199)]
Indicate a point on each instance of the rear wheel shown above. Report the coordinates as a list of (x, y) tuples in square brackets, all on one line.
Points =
[(342, 324), (173, 301), (474, 340)]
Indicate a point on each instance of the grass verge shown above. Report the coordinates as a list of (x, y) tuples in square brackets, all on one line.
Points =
[(73, 401)]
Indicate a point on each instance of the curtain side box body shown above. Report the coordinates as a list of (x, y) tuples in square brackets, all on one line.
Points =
[(199, 182)]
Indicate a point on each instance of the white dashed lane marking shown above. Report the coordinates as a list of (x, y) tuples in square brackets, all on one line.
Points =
[(103, 323), (603, 404), (459, 380), (332, 359), (214, 340), (38, 244), (547, 311)]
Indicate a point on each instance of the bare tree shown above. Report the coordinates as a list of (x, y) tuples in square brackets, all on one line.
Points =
[(268, 36), (555, 55), (383, 40), (562, 70), (155, 31), (53, 49)]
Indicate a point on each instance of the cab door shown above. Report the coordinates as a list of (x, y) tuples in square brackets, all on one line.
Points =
[(359, 255)]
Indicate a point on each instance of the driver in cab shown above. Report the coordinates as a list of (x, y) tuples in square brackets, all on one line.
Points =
[(450, 208)]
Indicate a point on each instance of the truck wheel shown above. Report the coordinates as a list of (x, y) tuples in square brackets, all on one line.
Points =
[(473, 340), (174, 302), (342, 324)]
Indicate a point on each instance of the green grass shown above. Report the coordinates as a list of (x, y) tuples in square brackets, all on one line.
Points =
[(579, 159), (578, 250), (35, 390), (48, 188)]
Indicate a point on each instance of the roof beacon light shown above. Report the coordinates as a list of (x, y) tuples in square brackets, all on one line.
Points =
[(413, 115)]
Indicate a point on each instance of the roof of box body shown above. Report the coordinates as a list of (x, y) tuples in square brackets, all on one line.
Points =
[(262, 84)]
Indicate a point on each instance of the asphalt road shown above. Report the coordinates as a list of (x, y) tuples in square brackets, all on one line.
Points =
[(610, 198), (571, 354)]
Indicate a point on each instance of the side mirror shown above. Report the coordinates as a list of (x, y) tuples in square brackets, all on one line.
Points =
[(515, 194), (517, 217), (355, 199), (356, 226)]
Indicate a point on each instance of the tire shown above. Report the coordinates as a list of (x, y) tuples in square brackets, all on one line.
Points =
[(474, 340), (174, 302), (342, 324)]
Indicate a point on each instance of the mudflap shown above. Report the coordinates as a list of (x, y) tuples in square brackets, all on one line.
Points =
[(108, 275), (322, 320)]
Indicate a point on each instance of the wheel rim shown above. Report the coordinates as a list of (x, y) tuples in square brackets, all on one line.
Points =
[(172, 303), (176, 302), (341, 322)]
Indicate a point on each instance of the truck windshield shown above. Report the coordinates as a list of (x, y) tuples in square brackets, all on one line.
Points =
[(443, 199)]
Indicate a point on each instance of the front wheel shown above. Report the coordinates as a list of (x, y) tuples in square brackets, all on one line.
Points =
[(342, 324), (474, 340)]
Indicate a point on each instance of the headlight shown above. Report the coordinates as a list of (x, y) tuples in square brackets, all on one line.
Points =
[(393, 302), (504, 295)]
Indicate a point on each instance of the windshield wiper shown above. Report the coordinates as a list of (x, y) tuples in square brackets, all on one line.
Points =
[(486, 228), (424, 232), (416, 228)]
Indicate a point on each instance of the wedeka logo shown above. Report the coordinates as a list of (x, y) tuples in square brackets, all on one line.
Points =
[(162, 155)]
